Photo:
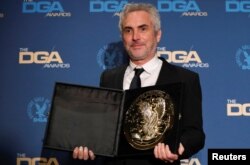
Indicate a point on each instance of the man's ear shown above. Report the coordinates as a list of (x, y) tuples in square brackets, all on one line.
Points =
[(158, 35)]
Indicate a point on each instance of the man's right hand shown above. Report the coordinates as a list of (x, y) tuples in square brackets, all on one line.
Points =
[(83, 153)]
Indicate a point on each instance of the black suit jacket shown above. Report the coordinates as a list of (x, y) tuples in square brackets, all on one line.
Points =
[(192, 134)]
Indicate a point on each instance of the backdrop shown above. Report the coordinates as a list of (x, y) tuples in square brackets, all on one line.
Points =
[(48, 41)]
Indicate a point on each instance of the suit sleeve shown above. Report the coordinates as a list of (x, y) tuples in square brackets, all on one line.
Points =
[(105, 80), (192, 136)]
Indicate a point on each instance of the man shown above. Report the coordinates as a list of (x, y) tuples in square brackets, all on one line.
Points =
[(141, 32)]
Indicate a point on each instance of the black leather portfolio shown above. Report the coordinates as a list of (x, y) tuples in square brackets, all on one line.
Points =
[(114, 122)]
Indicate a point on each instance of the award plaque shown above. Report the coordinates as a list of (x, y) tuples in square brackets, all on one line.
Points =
[(114, 122), (148, 118)]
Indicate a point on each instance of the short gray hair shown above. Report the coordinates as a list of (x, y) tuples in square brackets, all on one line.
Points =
[(147, 7)]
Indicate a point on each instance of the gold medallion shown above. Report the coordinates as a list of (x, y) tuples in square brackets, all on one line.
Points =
[(148, 118)]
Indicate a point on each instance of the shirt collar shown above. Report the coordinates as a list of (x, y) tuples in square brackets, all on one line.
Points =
[(148, 67)]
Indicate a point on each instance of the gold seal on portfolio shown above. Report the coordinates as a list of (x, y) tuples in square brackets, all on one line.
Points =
[(148, 118)]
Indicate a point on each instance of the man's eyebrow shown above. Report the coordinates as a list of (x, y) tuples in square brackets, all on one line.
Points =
[(127, 27), (143, 25)]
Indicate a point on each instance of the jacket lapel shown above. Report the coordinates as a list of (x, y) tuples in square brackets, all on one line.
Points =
[(167, 74)]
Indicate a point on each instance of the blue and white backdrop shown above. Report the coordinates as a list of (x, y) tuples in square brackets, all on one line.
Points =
[(46, 41)]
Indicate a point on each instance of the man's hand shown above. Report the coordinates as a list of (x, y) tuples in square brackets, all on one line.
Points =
[(162, 152), (83, 153)]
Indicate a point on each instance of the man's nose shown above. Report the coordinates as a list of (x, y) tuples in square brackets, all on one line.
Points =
[(136, 35)]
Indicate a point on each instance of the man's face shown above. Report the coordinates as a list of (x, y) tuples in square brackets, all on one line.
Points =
[(139, 37)]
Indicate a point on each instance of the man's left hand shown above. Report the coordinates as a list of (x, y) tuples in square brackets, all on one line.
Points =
[(162, 152)]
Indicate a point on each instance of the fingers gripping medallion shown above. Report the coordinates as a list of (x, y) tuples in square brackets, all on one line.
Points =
[(148, 118)]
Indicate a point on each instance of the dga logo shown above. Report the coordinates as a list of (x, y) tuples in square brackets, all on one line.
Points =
[(111, 56), (237, 109), (192, 161), (188, 59), (100, 6), (38, 109), (22, 159), (238, 6), (50, 8), (186, 7), (243, 57), (47, 59)]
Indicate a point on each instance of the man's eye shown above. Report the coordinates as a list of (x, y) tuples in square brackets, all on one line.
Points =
[(143, 29), (127, 30)]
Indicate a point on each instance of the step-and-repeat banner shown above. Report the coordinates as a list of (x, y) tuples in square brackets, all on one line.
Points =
[(48, 41)]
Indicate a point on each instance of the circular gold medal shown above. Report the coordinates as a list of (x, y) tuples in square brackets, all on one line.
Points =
[(148, 118)]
